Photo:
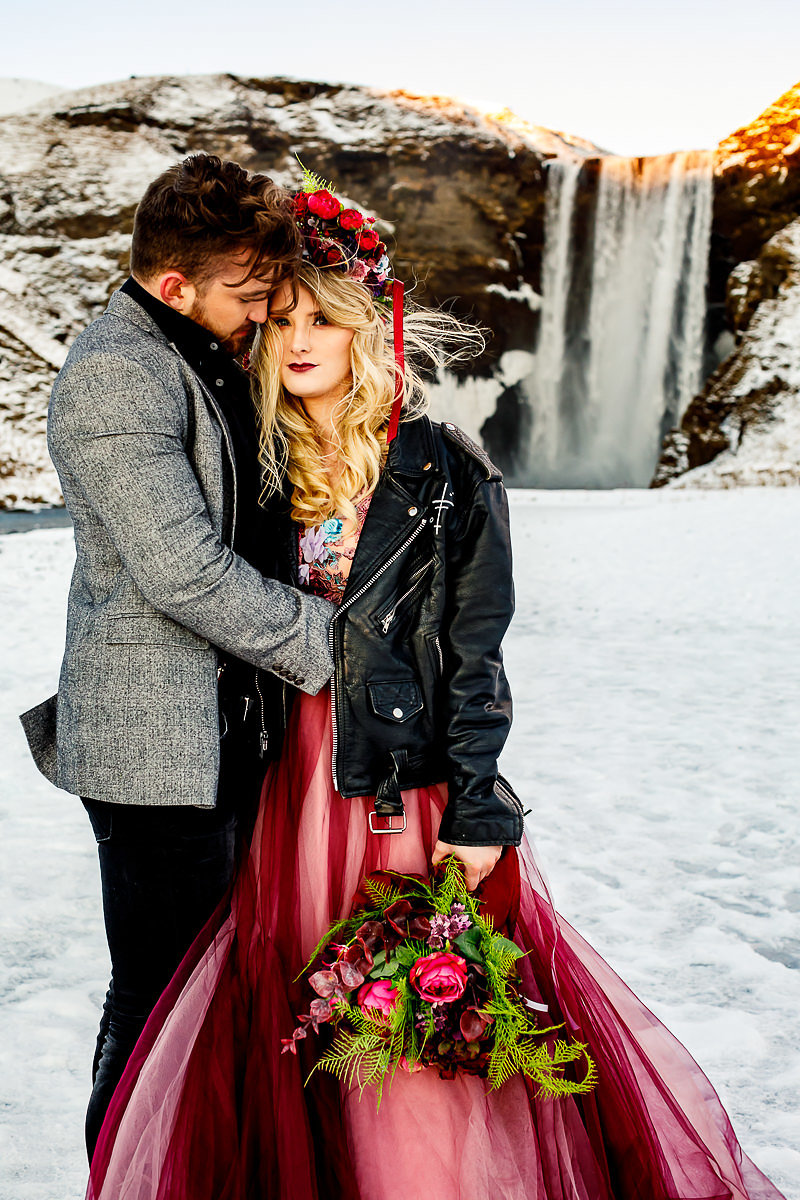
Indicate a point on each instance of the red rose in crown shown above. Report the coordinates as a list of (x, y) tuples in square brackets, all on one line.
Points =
[(351, 218), (368, 239), (324, 205)]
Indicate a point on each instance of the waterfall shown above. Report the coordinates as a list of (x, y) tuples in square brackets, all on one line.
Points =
[(620, 344)]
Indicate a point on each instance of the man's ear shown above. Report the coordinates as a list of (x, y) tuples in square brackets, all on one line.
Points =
[(176, 291)]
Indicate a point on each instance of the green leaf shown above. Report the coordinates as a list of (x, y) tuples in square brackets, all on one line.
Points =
[(469, 943), (505, 946), (384, 970), (406, 956)]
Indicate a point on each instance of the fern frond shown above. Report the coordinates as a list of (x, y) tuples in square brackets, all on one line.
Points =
[(501, 1065), (328, 936), (313, 182), (451, 887), (534, 1060), (381, 894), (348, 1055)]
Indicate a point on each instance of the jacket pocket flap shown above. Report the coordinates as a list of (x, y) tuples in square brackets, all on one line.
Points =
[(151, 629), (395, 700)]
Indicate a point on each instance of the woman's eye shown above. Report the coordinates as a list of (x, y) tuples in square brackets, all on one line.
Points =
[(320, 320), (279, 321)]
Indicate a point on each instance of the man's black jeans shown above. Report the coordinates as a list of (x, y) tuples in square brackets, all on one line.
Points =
[(163, 872)]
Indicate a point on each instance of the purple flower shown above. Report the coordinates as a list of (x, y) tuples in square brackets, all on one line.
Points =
[(441, 1017), (439, 926), (459, 921), (312, 544), (447, 926)]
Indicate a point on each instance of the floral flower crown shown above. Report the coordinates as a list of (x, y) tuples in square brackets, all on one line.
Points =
[(339, 237), (343, 238)]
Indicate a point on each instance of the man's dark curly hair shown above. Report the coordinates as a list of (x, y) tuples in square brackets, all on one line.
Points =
[(205, 209)]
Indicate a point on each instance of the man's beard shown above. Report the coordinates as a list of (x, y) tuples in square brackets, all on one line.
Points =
[(234, 343)]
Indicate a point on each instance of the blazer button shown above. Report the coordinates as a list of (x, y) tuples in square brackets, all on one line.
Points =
[(220, 383), (397, 712), (412, 512)]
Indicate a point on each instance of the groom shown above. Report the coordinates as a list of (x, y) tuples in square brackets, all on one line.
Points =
[(178, 643)]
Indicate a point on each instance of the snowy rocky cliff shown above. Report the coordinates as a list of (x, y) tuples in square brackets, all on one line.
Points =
[(614, 287), (744, 425), (460, 194)]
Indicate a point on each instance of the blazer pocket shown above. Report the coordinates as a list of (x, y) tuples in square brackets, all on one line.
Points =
[(395, 700), (144, 629)]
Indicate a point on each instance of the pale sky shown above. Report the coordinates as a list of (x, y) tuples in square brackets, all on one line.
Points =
[(635, 78)]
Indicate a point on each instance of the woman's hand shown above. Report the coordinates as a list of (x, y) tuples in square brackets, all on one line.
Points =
[(478, 860)]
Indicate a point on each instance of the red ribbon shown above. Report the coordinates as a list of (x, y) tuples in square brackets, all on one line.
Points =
[(399, 358)]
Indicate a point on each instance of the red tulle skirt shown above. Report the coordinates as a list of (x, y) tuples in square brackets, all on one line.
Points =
[(209, 1108)]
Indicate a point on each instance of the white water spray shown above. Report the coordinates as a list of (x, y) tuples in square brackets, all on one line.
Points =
[(620, 346)]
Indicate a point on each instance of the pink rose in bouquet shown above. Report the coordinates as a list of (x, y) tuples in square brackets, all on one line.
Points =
[(380, 995), (439, 978)]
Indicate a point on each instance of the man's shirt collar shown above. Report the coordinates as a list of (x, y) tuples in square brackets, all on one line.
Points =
[(201, 349)]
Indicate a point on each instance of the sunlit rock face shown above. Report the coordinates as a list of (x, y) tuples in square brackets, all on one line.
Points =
[(744, 425), (758, 178)]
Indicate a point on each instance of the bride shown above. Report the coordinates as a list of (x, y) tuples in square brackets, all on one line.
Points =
[(403, 524)]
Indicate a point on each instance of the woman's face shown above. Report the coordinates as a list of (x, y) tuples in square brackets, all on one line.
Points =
[(316, 356)]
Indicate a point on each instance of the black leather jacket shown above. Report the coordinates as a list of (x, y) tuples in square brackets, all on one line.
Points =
[(419, 694)]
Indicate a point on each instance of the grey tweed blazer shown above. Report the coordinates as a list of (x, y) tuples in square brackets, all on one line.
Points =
[(145, 464)]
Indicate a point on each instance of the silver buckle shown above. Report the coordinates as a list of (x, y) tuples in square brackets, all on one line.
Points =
[(391, 829)]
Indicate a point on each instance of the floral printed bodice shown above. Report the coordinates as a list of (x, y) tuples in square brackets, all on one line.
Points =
[(326, 553)]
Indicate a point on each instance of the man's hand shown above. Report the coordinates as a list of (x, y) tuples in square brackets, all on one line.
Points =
[(478, 860)]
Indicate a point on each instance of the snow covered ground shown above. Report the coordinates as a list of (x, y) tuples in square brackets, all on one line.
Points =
[(655, 661)]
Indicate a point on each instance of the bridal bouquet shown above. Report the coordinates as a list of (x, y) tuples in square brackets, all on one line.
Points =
[(416, 977)]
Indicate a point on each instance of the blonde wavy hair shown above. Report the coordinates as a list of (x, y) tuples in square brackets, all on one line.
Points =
[(290, 442)]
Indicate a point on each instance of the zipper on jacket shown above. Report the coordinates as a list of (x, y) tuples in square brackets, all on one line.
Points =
[(418, 579), (331, 634), (438, 646)]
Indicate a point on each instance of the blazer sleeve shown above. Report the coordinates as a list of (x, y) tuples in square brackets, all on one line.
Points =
[(118, 434), (482, 809)]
